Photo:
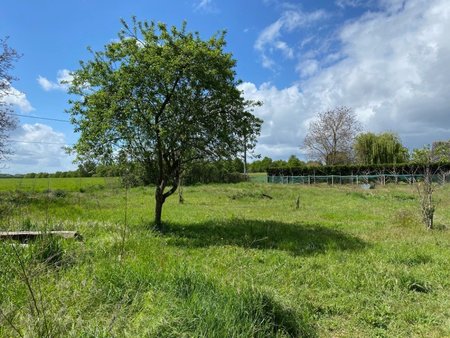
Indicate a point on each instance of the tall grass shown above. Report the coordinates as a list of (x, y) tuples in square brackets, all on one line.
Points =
[(346, 262)]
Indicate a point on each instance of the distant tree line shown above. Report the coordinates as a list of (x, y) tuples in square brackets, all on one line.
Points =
[(373, 154), (334, 138), (259, 166), (134, 174), (369, 169)]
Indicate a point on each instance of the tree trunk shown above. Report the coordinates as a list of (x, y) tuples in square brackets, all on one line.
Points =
[(160, 198), (180, 190), (426, 194), (245, 158), (159, 201)]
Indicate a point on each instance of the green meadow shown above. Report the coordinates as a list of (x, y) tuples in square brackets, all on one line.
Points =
[(236, 260), (42, 184)]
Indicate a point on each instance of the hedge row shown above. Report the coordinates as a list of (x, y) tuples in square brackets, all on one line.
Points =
[(346, 170)]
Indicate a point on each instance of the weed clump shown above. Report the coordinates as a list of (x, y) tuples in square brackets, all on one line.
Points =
[(49, 250), (413, 284)]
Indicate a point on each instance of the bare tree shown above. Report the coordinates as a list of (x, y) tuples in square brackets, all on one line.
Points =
[(330, 136), (425, 190), (427, 156), (7, 122)]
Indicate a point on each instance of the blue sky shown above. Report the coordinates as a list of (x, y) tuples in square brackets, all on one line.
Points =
[(389, 60)]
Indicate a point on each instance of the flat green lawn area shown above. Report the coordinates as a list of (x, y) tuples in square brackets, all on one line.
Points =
[(233, 262)]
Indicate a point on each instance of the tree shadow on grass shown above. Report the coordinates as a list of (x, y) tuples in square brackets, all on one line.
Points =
[(295, 238)]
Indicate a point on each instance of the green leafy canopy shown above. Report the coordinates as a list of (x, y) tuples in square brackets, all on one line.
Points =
[(161, 94), (157, 84)]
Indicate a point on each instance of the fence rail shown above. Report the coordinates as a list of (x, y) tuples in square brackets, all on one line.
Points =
[(356, 179)]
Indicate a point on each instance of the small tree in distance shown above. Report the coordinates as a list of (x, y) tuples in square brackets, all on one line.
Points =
[(330, 136), (381, 148), (437, 153), (161, 95), (425, 189), (294, 161), (426, 156)]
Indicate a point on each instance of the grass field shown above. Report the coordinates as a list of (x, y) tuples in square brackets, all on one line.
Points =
[(232, 263), (69, 184)]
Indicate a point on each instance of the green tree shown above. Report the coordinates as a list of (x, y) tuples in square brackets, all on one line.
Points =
[(87, 168), (165, 95), (383, 148), (294, 161), (266, 163), (248, 140), (279, 164), (438, 152), (441, 151), (259, 166)]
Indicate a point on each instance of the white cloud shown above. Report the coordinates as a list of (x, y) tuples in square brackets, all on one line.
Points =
[(40, 150), (284, 48), (392, 6), (63, 80), (46, 84), (393, 70), (308, 68), (18, 99), (283, 115), (354, 3), (270, 38), (205, 5)]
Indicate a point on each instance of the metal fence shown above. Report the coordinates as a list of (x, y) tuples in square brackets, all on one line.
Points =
[(355, 179)]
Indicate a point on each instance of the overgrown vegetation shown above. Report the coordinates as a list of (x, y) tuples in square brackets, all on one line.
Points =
[(346, 262)]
